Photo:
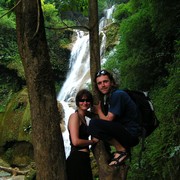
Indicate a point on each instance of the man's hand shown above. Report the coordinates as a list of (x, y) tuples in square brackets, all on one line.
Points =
[(97, 108)]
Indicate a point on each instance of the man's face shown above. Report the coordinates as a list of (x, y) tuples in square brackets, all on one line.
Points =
[(104, 84)]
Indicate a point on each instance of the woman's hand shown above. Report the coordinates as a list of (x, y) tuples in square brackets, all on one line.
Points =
[(95, 140)]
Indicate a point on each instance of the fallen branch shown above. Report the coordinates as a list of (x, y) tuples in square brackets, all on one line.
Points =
[(14, 171)]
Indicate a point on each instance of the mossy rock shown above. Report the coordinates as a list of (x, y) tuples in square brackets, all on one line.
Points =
[(15, 130), (18, 154), (112, 33), (15, 124)]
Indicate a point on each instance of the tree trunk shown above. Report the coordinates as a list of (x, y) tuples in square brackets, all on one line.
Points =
[(101, 155), (94, 42), (47, 138), (105, 171)]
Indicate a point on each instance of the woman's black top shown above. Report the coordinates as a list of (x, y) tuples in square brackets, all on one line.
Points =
[(82, 135)]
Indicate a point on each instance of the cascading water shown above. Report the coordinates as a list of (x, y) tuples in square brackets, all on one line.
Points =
[(79, 68), (79, 75)]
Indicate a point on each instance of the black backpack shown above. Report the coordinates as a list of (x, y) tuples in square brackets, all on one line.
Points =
[(147, 117)]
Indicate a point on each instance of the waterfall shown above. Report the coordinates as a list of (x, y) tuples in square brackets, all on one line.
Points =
[(78, 76), (79, 68)]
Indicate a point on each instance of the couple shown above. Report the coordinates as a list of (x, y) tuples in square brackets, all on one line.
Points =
[(116, 126)]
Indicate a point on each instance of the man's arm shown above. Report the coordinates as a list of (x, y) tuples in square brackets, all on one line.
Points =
[(109, 117)]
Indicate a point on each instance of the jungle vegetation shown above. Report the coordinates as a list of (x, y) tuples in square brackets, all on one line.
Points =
[(146, 58)]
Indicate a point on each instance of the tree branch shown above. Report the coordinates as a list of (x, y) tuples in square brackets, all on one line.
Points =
[(13, 171), (70, 27), (38, 18), (11, 9)]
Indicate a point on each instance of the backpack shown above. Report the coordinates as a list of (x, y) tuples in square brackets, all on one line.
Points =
[(147, 117)]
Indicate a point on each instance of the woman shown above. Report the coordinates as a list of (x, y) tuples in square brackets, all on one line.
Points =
[(78, 162)]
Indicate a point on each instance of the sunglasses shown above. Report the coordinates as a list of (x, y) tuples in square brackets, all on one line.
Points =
[(101, 72), (84, 100)]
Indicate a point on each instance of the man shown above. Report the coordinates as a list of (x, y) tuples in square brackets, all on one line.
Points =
[(117, 124)]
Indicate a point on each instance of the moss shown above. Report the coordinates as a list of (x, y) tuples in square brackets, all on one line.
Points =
[(15, 123), (112, 33), (94, 166), (21, 160), (31, 175), (19, 154), (8, 155), (3, 163)]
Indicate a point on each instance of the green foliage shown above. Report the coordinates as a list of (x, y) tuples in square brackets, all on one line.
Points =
[(51, 17), (7, 4), (6, 20), (5, 97), (169, 94), (16, 64), (8, 155), (164, 17), (147, 58), (12, 72), (8, 44), (140, 51), (122, 11), (73, 6), (59, 51), (101, 6), (79, 8), (133, 53)]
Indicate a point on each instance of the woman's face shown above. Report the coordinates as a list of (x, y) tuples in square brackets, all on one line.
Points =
[(84, 103)]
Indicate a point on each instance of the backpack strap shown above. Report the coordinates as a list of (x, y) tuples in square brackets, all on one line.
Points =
[(142, 146)]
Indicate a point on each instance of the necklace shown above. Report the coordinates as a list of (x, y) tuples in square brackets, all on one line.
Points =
[(82, 119)]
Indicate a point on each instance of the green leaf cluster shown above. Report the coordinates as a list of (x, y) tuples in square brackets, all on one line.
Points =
[(12, 72)]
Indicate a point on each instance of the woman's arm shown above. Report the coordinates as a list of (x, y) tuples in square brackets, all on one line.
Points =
[(73, 126)]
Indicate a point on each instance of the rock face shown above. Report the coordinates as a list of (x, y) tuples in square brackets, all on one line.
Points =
[(15, 131)]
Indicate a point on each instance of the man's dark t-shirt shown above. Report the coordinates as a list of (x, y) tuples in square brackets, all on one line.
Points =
[(125, 111)]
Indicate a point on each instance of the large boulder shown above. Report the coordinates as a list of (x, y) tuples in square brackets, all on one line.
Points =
[(15, 130)]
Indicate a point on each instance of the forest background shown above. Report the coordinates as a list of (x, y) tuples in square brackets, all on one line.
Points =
[(145, 38)]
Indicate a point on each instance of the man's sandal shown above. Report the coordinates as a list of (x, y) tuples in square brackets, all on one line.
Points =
[(118, 161)]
